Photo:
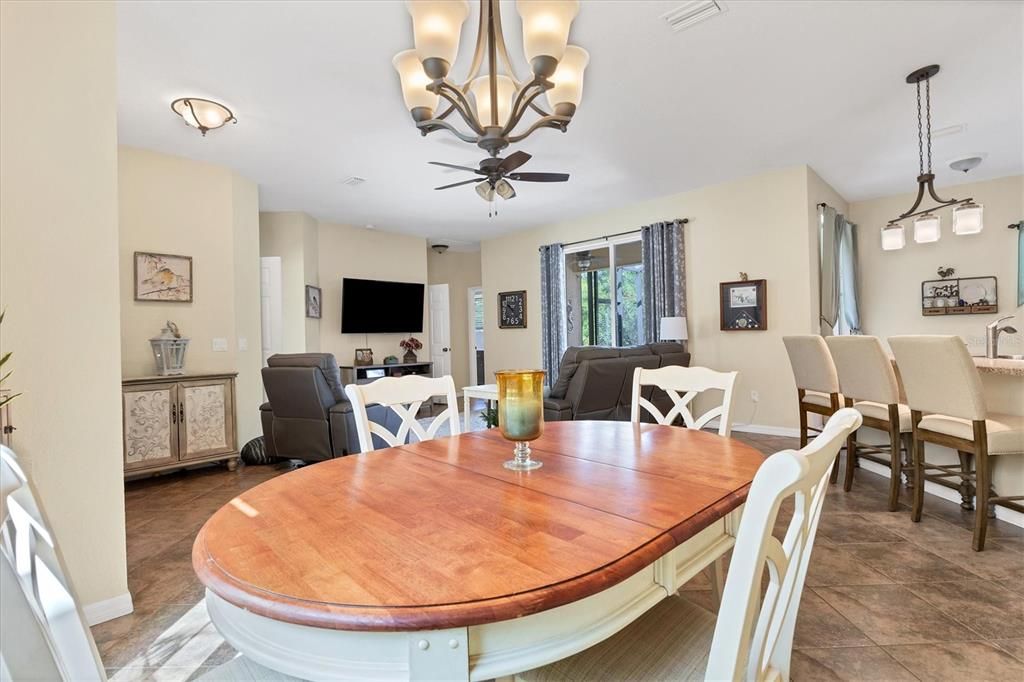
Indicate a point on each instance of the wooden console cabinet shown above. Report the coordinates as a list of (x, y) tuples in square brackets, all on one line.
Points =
[(174, 422)]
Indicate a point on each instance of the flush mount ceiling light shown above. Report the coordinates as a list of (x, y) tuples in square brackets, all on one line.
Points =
[(927, 226), (203, 114), (492, 100)]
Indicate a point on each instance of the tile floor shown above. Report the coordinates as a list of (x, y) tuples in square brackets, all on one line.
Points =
[(886, 599)]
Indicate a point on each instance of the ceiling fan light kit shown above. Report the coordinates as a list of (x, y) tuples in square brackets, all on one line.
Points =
[(490, 103), (202, 114), (927, 226)]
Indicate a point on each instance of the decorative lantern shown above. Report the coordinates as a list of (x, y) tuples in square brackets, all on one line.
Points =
[(169, 351), (521, 413)]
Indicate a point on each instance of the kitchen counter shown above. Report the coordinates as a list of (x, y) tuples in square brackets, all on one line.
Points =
[(1004, 366)]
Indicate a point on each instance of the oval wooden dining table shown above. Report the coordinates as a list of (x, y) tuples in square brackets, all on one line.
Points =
[(432, 561)]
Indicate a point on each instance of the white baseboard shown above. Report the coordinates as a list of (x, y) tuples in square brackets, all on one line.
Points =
[(1002, 513), (108, 609)]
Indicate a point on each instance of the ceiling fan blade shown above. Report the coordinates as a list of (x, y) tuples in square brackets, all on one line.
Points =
[(456, 184), (513, 161), (539, 177), (452, 165)]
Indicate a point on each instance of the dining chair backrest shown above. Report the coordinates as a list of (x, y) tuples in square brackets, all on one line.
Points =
[(45, 634), (754, 636), (692, 381), (403, 395), (812, 364), (939, 376), (864, 368)]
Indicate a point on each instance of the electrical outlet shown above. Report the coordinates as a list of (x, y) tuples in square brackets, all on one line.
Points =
[(220, 345), (755, 396)]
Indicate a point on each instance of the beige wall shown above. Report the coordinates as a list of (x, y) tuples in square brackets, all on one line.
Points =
[(890, 288), (460, 271), (58, 277), (763, 225), (293, 236), (347, 251), (169, 204)]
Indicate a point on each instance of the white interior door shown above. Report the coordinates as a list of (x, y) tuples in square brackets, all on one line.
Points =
[(440, 330), (271, 326), (476, 333)]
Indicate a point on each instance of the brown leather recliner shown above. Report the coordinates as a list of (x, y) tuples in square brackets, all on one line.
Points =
[(597, 382), (308, 416)]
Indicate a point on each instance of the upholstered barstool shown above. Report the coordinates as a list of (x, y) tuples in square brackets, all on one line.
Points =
[(948, 408), (817, 384), (868, 383)]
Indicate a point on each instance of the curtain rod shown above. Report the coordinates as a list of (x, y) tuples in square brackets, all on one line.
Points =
[(682, 221)]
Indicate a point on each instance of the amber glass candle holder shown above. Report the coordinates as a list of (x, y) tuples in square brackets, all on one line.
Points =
[(521, 413)]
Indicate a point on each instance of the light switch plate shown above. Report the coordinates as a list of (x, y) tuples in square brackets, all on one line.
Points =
[(243, 343), (220, 345)]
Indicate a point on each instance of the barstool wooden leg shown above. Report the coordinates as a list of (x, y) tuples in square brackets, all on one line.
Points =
[(908, 459), (851, 461), (966, 486), (918, 454), (895, 463), (982, 484), (803, 423)]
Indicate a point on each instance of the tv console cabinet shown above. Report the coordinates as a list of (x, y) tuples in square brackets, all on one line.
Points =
[(364, 374)]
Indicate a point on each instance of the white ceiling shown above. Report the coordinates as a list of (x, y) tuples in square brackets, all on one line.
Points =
[(764, 85)]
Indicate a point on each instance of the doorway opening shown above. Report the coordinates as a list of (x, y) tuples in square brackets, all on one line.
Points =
[(476, 336)]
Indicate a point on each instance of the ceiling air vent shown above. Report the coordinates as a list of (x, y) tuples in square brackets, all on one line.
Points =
[(690, 13), (353, 181)]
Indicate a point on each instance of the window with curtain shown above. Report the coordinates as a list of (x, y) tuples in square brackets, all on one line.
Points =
[(839, 313), (604, 292)]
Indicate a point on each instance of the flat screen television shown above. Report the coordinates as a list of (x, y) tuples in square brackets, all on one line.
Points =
[(370, 306)]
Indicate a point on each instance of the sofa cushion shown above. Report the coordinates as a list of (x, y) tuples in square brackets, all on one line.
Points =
[(571, 359), (632, 351)]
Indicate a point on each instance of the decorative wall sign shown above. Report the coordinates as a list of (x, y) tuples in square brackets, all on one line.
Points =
[(512, 310), (313, 297), (744, 305), (163, 277), (962, 296)]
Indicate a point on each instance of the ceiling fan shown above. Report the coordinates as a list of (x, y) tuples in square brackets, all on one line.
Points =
[(496, 173)]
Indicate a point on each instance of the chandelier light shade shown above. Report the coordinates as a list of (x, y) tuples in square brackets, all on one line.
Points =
[(894, 237), (927, 225), (493, 107), (927, 228), (546, 26), (203, 114), (967, 218)]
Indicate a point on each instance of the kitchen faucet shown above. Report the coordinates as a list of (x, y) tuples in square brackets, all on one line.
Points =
[(992, 332)]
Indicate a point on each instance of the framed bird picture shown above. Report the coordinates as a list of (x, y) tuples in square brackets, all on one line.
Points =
[(512, 310), (163, 277)]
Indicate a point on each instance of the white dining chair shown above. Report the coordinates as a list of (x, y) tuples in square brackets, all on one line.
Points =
[(403, 396), (752, 638), (691, 381)]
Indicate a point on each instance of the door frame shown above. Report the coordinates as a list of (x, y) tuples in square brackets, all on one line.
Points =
[(435, 344), (474, 380), (276, 321)]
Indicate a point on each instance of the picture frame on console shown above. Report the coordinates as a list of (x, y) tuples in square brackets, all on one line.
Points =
[(364, 356)]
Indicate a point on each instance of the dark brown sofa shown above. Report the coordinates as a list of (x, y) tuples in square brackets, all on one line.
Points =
[(597, 382)]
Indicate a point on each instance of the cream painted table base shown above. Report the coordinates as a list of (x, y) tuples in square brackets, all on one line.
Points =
[(479, 652), (488, 392)]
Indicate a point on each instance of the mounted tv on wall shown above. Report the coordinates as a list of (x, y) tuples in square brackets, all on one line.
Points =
[(370, 306)]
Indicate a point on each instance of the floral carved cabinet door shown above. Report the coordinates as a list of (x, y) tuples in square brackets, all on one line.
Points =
[(207, 424), (150, 425)]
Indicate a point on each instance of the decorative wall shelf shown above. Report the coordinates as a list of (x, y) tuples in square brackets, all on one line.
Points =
[(959, 296)]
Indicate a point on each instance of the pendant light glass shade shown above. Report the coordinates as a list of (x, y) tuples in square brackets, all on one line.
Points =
[(437, 26), (967, 218), (414, 81), (546, 26), (927, 228), (568, 77), (481, 90), (894, 237)]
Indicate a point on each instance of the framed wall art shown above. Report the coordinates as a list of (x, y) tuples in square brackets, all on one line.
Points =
[(512, 310), (744, 305), (313, 297), (163, 277)]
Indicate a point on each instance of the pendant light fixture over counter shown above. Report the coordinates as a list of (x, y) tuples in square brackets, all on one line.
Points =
[(203, 114), (491, 102), (967, 216)]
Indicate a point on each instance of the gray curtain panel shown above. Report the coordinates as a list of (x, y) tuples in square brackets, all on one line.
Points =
[(838, 273), (828, 269), (849, 313), (664, 255), (552, 309)]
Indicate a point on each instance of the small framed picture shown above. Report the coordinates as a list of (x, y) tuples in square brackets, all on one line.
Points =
[(313, 296), (512, 310), (744, 305), (163, 277), (364, 356)]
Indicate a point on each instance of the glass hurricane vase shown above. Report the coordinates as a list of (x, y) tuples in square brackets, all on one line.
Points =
[(521, 413)]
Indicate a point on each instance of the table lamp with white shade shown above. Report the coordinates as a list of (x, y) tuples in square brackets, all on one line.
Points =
[(673, 329)]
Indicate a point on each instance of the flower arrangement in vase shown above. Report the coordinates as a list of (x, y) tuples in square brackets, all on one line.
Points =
[(410, 346)]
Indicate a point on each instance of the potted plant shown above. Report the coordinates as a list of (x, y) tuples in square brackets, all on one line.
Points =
[(410, 346)]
